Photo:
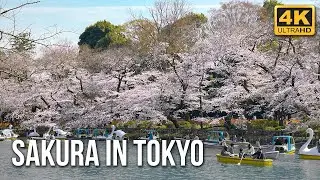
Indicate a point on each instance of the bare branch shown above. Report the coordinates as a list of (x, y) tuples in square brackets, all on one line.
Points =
[(22, 5), (18, 37), (42, 98)]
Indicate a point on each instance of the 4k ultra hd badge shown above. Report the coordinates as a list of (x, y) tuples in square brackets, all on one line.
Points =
[(294, 20)]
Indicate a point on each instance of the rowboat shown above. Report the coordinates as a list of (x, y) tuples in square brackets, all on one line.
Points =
[(268, 154), (247, 160), (271, 154)]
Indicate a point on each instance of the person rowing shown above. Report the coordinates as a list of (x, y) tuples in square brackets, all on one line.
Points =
[(231, 149), (258, 154), (241, 153), (250, 150), (225, 152)]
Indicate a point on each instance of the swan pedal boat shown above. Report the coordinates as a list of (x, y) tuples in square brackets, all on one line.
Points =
[(247, 160), (8, 134), (114, 135), (309, 154)]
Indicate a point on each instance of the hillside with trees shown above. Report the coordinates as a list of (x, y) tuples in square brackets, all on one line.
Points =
[(176, 65)]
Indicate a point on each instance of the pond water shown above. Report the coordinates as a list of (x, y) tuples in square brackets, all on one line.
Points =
[(287, 167)]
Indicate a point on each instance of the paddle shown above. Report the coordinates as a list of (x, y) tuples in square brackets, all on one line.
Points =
[(241, 159)]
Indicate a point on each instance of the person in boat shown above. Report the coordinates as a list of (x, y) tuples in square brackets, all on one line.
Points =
[(258, 154), (231, 149), (242, 139), (187, 137), (150, 136), (250, 150), (225, 152), (278, 142), (220, 137), (241, 153), (234, 139)]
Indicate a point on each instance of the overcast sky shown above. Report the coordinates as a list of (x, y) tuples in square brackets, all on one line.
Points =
[(75, 15)]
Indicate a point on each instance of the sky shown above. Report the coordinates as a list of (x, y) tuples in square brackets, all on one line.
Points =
[(73, 16)]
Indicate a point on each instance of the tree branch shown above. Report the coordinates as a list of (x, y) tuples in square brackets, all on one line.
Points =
[(42, 98), (22, 5)]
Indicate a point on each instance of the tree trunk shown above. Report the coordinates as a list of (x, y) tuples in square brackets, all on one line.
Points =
[(174, 121), (184, 92), (119, 83), (319, 71), (81, 85)]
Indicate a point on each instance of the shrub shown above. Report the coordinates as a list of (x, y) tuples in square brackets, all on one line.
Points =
[(169, 124), (263, 124), (185, 124), (145, 124), (270, 129), (130, 124)]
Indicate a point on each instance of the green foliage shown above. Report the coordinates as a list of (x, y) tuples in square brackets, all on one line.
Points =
[(145, 124), (271, 45), (22, 42), (269, 128), (264, 124), (102, 35), (91, 36), (192, 18), (189, 125), (180, 34), (169, 124), (185, 124), (130, 124), (117, 37), (268, 6)]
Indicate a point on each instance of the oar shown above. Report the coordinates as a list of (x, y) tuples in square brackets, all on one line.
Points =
[(241, 159)]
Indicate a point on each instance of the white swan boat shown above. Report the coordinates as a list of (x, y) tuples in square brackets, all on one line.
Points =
[(313, 153), (114, 135), (8, 134), (58, 134)]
